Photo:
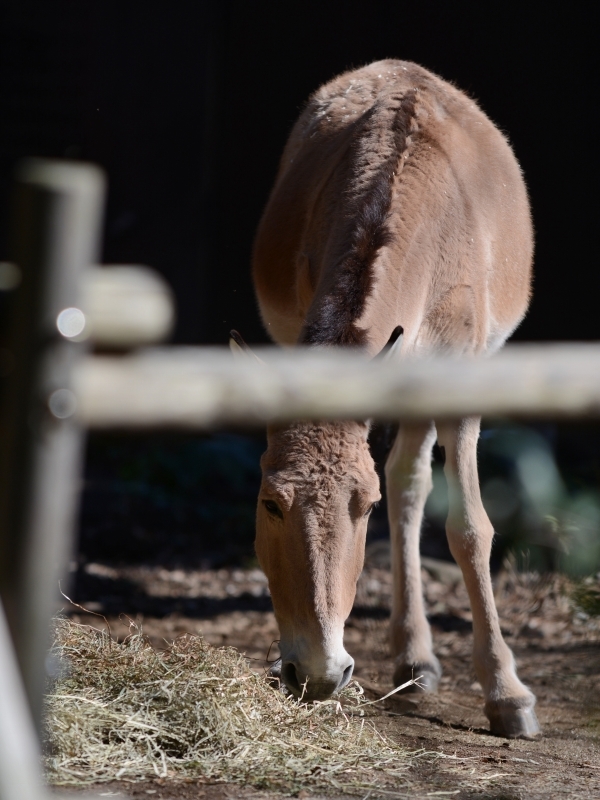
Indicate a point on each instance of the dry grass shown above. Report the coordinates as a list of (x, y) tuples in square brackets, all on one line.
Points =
[(192, 711)]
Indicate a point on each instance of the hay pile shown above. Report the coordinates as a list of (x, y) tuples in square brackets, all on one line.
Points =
[(125, 711)]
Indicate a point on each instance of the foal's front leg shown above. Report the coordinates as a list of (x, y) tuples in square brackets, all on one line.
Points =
[(508, 703), (408, 482)]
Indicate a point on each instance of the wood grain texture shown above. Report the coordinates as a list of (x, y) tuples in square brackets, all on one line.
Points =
[(204, 387)]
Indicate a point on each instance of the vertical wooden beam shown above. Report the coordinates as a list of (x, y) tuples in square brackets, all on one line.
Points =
[(56, 228)]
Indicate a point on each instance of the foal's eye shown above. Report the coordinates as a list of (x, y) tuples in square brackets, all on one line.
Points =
[(273, 508), (371, 507)]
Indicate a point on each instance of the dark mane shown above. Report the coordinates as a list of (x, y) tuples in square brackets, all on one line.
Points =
[(333, 322)]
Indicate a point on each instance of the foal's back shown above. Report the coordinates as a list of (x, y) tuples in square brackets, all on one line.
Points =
[(397, 202)]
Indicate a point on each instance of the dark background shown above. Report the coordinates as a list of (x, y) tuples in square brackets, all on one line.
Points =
[(187, 106)]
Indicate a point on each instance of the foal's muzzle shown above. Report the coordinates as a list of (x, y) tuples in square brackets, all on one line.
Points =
[(313, 686)]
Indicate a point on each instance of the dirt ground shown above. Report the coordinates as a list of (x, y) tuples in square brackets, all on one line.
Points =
[(557, 650)]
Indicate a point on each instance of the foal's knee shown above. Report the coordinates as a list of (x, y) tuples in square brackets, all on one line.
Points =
[(470, 543)]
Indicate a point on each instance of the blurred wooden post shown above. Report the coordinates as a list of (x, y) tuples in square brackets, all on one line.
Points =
[(56, 226)]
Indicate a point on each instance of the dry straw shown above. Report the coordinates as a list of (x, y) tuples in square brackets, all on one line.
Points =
[(192, 711)]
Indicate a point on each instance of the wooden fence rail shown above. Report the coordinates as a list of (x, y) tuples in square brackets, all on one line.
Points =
[(188, 387), (56, 231)]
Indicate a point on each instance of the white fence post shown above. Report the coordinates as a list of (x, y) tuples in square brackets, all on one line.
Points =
[(20, 774), (56, 227)]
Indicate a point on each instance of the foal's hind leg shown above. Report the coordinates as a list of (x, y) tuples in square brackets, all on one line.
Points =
[(408, 482), (508, 703)]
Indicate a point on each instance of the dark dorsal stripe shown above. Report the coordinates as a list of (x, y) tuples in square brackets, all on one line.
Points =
[(333, 322)]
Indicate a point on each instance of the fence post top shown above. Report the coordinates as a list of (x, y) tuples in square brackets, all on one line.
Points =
[(69, 176)]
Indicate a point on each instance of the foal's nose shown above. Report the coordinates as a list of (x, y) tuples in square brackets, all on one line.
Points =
[(310, 685)]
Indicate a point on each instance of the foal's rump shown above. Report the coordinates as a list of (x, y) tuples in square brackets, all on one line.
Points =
[(397, 202)]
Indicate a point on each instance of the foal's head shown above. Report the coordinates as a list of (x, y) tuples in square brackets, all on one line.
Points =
[(318, 488)]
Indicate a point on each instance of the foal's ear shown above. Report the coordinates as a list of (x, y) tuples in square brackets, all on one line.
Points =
[(240, 349), (393, 346)]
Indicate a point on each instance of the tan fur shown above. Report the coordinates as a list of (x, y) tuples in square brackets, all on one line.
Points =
[(397, 202), (460, 215)]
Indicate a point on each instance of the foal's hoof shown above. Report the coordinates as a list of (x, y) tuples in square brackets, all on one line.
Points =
[(427, 677), (513, 723)]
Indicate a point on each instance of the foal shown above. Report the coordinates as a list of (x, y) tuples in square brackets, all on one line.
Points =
[(397, 202)]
